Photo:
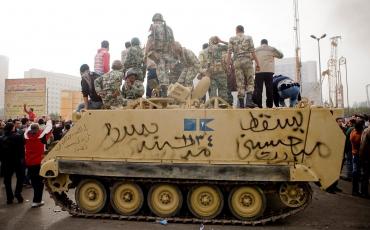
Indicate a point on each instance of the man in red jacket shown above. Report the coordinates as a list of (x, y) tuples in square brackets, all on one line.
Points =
[(102, 59), (31, 114), (35, 146)]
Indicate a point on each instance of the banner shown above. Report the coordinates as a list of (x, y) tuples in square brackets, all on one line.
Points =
[(29, 91)]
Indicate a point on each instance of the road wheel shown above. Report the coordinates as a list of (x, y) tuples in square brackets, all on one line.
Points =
[(247, 203), (91, 196), (205, 201), (126, 198), (164, 200), (294, 195)]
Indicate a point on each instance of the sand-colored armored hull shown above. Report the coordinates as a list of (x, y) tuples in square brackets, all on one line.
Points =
[(240, 154)]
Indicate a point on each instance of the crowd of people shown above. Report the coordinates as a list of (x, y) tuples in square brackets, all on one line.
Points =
[(234, 66), (23, 143), (356, 159)]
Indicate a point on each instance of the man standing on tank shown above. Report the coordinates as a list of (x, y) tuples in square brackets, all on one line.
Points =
[(241, 48), (203, 56), (215, 57), (266, 55), (135, 59), (190, 63), (124, 52), (159, 49), (102, 59)]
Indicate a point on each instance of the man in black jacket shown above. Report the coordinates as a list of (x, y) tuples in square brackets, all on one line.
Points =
[(12, 156), (88, 89)]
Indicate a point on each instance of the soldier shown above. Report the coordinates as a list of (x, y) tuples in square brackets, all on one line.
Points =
[(152, 79), (242, 48), (191, 65), (203, 56), (124, 52), (108, 86), (158, 48), (133, 88), (216, 67), (135, 59)]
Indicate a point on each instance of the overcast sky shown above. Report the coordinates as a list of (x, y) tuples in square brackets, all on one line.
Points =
[(59, 36)]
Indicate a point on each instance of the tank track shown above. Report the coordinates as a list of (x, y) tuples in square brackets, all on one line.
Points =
[(68, 205)]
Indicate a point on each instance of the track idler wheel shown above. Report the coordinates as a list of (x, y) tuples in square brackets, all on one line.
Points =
[(205, 201), (247, 202), (294, 195)]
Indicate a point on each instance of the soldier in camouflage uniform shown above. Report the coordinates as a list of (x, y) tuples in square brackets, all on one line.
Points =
[(133, 88), (242, 48), (158, 48), (216, 53), (108, 86), (191, 65), (124, 52), (203, 56), (135, 59)]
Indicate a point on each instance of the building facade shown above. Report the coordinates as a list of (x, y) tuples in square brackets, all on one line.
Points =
[(310, 87), (55, 84), (69, 102), (4, 72)]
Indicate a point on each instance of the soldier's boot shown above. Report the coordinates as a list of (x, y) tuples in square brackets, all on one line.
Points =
[(249, 101), (241, 102)]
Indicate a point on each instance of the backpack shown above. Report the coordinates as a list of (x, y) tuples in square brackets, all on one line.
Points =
[(162, 36)]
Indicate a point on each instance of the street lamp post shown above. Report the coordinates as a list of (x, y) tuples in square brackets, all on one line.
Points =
[(343, 61), (320, 74)]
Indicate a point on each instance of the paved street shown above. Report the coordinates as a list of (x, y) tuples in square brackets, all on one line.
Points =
[(327, 211)]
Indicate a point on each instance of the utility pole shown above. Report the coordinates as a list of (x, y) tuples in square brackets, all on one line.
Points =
[(343, 61), (297, 43)]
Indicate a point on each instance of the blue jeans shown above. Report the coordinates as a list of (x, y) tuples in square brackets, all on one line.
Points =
[(90, 105), (348, 163), (291, 93)]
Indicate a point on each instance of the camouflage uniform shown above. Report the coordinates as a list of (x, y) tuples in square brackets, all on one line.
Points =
[(203, 58), (242, 48), (134, 91), (108, 86), (158, 48), (216, 54), (135, 59), (191, 67)]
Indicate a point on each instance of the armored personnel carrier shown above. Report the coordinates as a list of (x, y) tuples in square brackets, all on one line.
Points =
[(193, 163)]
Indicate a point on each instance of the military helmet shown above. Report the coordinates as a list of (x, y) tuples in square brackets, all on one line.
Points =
[(213, 40), (117, 65), (131, 71), (157, 17), (135, 41)]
